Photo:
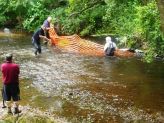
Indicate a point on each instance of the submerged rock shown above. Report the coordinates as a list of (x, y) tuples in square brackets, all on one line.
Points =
[(6, 30)]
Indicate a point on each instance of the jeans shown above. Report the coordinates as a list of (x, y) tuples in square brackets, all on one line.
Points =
[(37, 46)]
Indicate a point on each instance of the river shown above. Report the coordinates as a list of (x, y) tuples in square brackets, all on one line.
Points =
[(87, 88)]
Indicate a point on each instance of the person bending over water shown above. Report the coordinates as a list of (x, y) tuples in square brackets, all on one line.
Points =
[(36, 39), (46, 24)]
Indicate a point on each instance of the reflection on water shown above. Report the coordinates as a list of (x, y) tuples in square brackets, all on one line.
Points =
[(88, 89)]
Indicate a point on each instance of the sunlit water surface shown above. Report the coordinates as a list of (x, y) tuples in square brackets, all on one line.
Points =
[(87, 89)]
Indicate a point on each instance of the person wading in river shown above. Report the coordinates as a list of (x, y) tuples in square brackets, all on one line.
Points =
[(10, 78), (36, 39), (46, 24), (109, 47)]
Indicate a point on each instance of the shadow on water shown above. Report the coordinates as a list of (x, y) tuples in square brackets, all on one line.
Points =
[(87, 89)]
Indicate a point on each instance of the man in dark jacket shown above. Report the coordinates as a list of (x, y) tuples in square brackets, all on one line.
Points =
[(36, 39), (10, 78)]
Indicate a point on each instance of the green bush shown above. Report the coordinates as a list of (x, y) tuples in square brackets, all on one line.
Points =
[(2, 20)]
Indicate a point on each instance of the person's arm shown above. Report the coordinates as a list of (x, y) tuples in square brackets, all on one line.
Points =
[(44, 37), (106, 46), (48, 28), (114, 45)]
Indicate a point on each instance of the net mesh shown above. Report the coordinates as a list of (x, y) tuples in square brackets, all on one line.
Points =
[(75, 44)]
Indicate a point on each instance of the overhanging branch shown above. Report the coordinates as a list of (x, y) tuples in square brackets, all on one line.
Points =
[(91, 5)]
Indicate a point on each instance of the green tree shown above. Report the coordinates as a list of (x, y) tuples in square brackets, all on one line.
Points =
[(160, 4)]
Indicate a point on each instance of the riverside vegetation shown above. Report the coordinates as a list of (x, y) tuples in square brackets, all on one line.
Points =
[(140, 21)]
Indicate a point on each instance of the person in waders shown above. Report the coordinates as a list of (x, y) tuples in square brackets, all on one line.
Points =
[(10, 79), (109, 47), (36, 39)]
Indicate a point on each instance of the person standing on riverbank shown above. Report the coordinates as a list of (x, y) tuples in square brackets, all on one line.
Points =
[(10, 78), (36, 39), (109, 47)]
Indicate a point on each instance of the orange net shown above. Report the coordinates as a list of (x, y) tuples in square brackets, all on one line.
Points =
[(75, 44), (122, 53)]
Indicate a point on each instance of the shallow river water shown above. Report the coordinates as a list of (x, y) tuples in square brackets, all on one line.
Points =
[(84, 88)]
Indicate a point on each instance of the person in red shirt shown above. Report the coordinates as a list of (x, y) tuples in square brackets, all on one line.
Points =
[(10, 78)]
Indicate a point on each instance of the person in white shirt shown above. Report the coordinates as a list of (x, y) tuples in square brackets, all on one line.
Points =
[(109, 47)]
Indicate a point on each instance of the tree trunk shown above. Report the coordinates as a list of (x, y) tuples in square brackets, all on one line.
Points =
[(160, 4)]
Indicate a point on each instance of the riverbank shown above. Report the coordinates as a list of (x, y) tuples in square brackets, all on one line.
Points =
[(29, 115)]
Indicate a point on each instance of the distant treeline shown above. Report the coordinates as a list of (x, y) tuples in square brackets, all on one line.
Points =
[(139, 21)]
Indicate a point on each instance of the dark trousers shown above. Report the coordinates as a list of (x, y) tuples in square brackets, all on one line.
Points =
[(37, 46)]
